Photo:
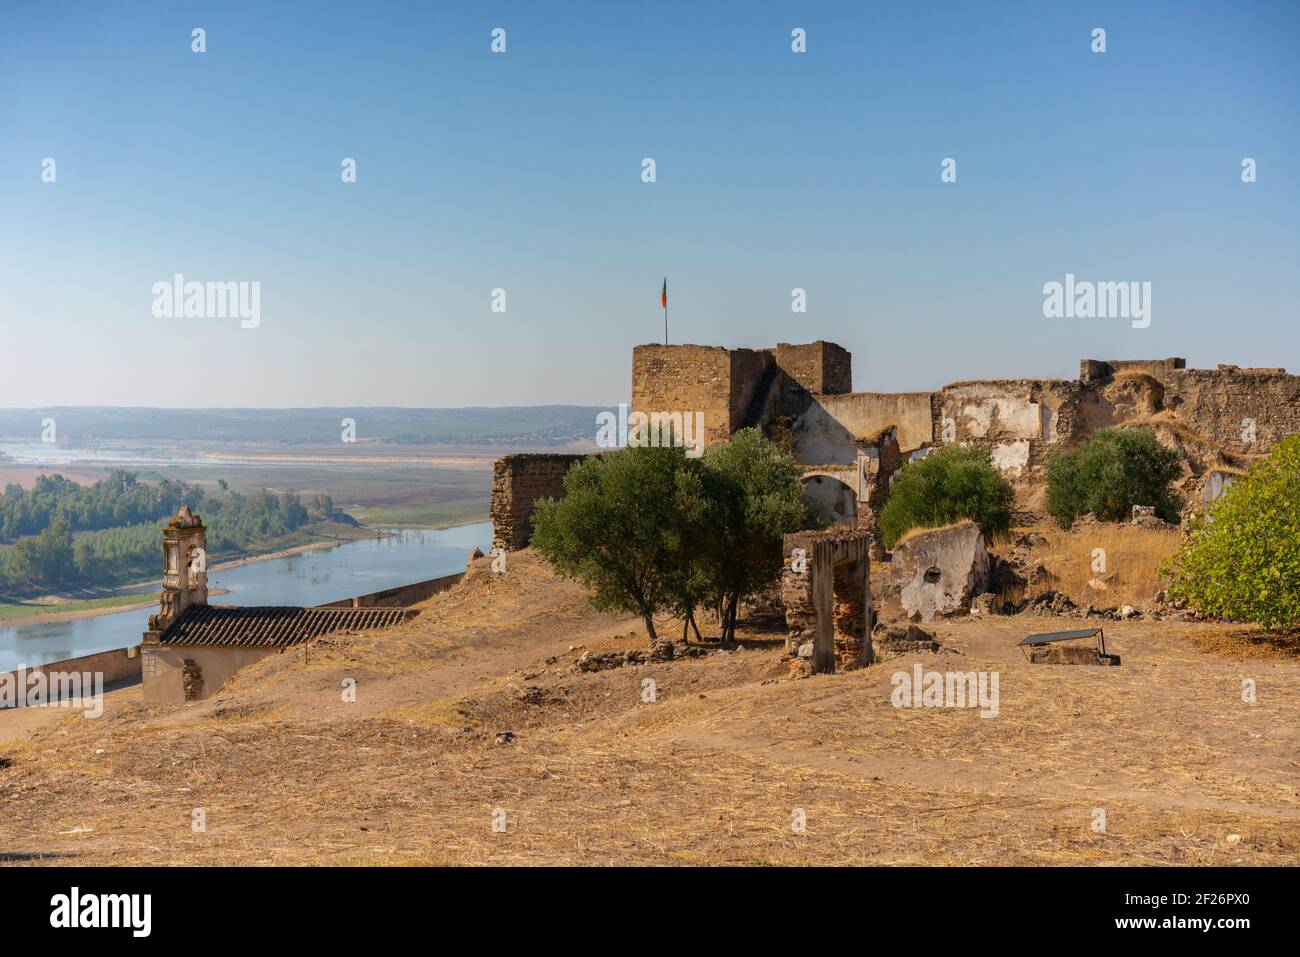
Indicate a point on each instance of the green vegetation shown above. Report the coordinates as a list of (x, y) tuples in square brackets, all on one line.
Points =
[(1109, 474), (957, 482), (1242, 557), (15, 613), (110, 532), (759, 498), (650, 530)]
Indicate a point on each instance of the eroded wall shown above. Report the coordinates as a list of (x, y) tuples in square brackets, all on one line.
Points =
[(830, 431), (518, 482), (1020, 421), (164, 676), (689, 378)]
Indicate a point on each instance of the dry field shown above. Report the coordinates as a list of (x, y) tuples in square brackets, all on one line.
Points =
[(1131, 557), (711, 772)]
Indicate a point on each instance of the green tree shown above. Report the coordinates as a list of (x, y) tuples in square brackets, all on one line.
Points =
[(954, 483), (83, 556), (54, 558), (1111, 472), (1241, 559), (756, 499), (624, 528)]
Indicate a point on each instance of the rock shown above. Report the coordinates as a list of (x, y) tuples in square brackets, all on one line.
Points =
[(1051, 603), (904, 638), (1128, 611), (1144, 516), (1234, 838), (592, 662), (530, 695), (1064, 654), (806, 650), (938, 571), (505, 737), (986, 604)]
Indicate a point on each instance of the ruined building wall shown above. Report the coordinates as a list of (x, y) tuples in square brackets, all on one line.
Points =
[(1217, 402), (830, 429), (518, 481), (1213, 404), (736, 388), (690, 378), (820, 367), (1021, 421)]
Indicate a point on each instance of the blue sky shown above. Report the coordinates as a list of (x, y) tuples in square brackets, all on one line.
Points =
[(522, 170)]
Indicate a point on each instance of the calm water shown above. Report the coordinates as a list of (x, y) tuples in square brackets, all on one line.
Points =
[(308, 578)]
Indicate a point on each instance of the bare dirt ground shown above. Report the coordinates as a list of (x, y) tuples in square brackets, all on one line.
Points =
[(713, 771)]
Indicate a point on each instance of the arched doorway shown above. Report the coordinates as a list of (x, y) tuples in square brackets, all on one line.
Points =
[(839, 500)]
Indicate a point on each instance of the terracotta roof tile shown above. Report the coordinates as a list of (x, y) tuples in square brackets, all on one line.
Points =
[(272, 626)]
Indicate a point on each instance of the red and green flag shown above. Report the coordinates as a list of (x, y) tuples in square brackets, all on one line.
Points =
[(663, 294)]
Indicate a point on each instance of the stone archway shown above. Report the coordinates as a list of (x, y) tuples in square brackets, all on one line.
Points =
[(826, 589), (839, 499)]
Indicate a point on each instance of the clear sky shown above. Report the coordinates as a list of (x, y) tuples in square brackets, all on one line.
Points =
[(522, 171)]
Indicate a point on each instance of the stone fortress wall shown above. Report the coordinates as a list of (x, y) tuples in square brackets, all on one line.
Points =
[(851, 444)]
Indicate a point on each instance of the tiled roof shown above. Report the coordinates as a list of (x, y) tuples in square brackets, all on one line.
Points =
[(271, 627)]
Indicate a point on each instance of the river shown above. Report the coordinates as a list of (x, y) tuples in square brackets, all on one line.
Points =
[(314, 577)]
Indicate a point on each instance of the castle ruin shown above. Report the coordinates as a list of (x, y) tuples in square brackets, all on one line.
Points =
[(851, 444)]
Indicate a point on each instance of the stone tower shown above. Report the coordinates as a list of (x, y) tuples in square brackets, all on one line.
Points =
[(185, 570)]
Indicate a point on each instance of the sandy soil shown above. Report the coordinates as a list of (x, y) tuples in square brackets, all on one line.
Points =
[(26, 475), (714, 770)]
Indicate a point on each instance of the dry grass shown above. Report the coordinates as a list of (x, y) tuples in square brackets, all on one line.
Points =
[(708, 773), (1167, 419), (1131, 555), (913, 532), (1247, 641)]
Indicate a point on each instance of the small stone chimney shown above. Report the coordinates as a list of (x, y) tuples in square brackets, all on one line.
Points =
[(185, 571)]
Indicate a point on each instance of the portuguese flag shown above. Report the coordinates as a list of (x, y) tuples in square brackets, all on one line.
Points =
[(663, 294)]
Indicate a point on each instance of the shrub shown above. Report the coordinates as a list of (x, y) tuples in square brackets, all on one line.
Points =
[(1241, 559), (956, 482), (1111, 472)]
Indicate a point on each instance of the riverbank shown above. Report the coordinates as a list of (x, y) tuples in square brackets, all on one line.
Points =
[(54, 608), (11, 615), (46, 612)]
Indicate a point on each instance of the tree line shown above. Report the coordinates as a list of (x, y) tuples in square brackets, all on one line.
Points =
[(65, 534)]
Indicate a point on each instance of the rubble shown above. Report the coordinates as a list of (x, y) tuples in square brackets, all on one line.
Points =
[(904, 638)]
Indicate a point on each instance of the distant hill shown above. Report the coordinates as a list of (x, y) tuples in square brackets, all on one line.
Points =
[(505, 425)]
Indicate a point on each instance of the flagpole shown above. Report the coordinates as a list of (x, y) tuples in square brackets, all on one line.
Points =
[(665, 310)]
